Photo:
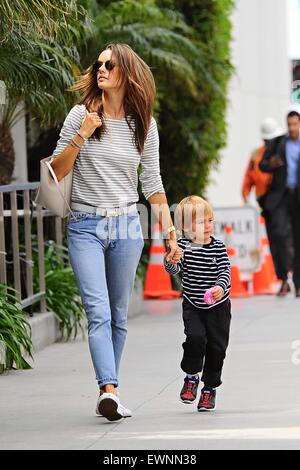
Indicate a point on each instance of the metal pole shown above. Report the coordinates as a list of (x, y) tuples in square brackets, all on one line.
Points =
[(40, 235), (15, 239), (3, 278), (28, 247)]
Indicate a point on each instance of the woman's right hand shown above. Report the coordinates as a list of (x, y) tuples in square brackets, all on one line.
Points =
[(90, 122)]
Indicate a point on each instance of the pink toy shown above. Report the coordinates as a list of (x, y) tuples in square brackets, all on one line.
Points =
[(208, 297)]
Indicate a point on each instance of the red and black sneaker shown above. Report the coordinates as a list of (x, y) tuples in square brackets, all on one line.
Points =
[(189, 390), (207, 400)]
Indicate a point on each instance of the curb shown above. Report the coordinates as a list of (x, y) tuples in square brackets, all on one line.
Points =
[(44, 330)]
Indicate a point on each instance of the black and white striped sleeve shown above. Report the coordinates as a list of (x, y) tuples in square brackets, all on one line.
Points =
[(174, 268), (72, 123), (223, 279), (150, 177)]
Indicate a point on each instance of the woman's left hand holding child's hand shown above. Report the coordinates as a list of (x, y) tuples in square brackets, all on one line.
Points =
[(217, 293), (175, 253)]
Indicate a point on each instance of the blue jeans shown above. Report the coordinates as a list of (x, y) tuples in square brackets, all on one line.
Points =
[(104, 254)]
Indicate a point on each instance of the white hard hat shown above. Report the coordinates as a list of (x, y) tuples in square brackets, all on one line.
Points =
[(294, 107), (270, 129)]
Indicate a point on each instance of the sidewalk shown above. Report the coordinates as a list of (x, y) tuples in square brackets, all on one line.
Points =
[(52, 406)]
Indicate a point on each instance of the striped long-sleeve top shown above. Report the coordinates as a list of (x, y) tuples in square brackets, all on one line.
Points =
[(202, 267), (105, 172)]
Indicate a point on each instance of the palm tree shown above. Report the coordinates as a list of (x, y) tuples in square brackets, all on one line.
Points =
[(38, 59), (39, 65), (159, 35)]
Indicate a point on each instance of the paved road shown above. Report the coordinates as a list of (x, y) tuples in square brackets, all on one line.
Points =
[(52, 406)]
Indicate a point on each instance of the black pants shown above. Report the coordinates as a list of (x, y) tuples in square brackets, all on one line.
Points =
[(272, 240), (285, 215), (207, 336)]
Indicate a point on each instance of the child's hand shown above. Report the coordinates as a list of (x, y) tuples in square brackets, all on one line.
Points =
[(217, 293), (178, 255), (174, 257)]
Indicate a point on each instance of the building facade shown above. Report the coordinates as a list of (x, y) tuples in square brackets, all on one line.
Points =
[(263, 47)]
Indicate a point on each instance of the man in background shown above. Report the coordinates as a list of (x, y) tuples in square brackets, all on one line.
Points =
[(282, 160), (261, 181)]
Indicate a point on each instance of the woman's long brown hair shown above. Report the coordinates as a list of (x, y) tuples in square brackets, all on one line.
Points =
[(139, 92)]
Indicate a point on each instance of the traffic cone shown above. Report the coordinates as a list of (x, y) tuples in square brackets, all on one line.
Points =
[(266, 250), (264, 278), (158, 282), (238, 288)]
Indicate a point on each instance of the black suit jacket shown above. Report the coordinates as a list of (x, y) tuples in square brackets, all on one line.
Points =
[(277, 189)]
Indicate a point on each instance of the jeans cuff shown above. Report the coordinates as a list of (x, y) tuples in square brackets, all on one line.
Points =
[(103, 382)]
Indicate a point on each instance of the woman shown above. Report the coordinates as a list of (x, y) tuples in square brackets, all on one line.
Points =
[(104, 139)]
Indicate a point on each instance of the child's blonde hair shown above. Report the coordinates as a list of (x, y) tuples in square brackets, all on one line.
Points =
[(189, 207)]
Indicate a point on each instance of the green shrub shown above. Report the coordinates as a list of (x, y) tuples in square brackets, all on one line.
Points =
[(62, 293), (193, 129), (15, 340)]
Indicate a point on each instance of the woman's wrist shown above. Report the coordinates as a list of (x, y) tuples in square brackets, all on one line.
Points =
[(170, 232), (82, 134), (171, 236)]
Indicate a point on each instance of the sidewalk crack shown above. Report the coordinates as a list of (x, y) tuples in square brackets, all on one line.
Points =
[(119, 423)]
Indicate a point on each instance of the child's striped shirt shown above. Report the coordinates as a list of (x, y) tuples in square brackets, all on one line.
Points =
[(202, 267)]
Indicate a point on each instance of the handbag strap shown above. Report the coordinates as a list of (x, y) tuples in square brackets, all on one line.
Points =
[(58, 187)]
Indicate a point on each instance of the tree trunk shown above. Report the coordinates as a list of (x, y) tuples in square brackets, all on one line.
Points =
[(7, 155)]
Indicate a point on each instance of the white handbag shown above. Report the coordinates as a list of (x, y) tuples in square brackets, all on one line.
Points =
[(54, 195)]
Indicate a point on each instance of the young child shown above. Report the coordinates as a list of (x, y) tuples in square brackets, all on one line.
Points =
[(204, 265)]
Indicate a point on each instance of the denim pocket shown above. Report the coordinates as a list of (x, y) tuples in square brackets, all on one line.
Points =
[(79, 216), (132, 215)]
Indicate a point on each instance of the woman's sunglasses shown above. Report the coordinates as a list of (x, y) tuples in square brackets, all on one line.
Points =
[(109, 65)]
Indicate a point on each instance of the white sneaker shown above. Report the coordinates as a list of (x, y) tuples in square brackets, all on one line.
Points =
[(98, 401), (126, 412), (109, 406)]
